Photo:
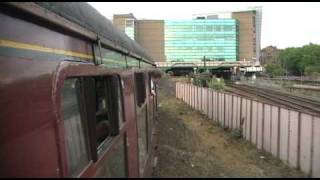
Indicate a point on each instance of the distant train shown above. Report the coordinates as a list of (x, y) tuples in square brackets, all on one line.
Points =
[(78, 97)]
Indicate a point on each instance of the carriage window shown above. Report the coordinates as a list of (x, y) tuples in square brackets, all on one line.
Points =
[(74, 127), (149, 80), (103, 121), (152, 87), (118, 86), (140, 88), (109, 113)]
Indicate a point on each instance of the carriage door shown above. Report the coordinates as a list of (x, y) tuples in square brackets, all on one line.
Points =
[(142, 120)]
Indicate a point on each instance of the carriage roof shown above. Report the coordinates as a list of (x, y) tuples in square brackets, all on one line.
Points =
[(86, 16)]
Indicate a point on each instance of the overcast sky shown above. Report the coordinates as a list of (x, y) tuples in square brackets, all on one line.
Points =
[(284, 24)]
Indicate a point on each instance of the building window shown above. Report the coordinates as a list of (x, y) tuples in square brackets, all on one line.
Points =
[(209, 28), (206, 40), (217, 28), (228, 28), (198, 28), (129, 23), (254, 21), (75, 128)]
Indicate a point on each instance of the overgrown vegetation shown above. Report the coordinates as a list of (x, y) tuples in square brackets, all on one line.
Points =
[(312, 71), (216, 83), (201, 79), (207, 80), (274, 70), (236, 133)]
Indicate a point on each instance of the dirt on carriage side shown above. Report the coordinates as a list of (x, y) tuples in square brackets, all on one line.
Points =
[(190, 145)]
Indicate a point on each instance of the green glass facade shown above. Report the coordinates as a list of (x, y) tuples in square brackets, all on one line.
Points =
[(191, 40), (129, 28)]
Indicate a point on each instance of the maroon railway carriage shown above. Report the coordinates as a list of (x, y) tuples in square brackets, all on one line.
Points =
[(77, 97)]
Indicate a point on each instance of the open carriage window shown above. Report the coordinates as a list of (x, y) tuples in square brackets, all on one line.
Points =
[(103, 110), (140, 88), (152, 86), (103, 100), (92, 112), (108, 112)]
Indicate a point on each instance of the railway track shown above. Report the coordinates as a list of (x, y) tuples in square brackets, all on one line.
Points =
[(295, 102)]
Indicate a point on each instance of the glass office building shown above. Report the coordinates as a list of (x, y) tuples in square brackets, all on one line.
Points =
[(191, 40), (129, 28)]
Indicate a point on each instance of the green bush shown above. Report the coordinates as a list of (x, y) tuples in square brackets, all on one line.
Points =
[(206, 80), (236, 133), (274, 70), (215, 83), (202, 79)]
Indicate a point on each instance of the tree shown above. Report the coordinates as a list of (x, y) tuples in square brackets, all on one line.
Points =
[(295, 60), (274, 70), (289, 59), (313, 71)]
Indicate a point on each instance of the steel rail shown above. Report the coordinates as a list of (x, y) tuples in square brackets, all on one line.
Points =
[(278, 98)]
